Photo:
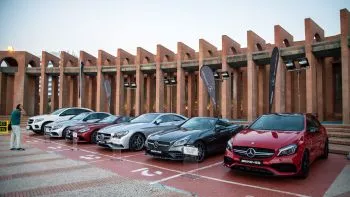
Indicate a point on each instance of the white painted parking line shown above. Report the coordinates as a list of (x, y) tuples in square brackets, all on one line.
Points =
[(191, 172), (146, 172)]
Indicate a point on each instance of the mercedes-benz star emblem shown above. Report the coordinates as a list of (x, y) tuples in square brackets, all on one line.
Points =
[(250, 153), (156, 144)]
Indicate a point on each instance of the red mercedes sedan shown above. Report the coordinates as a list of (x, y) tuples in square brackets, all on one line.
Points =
[(87, 132), (278, 144)]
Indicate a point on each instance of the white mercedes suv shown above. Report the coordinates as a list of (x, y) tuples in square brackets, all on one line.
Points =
[(37, 123)]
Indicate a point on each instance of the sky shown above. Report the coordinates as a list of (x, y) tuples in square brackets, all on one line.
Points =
[(90, 25)]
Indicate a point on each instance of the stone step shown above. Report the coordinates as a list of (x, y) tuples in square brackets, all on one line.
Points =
[(339, 134), (344, 130), (341, 141), (339, 149), (337, 126)]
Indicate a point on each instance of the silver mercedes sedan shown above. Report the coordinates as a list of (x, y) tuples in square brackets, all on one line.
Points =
[(132, 135)]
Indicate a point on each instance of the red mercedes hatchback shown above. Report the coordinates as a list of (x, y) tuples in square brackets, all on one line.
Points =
[(278, 144)]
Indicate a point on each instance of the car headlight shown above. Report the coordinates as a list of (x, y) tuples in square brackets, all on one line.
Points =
[(182, 141), (120, 134), (57, 126), (287, 150), (229, 145), (83, 130), (38, 120)]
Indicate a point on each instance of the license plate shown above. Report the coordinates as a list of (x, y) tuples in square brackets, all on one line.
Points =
[(188, 150), (156, 151), (246, 161), (27, 127)]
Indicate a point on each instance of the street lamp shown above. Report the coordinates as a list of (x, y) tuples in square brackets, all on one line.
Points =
[(303, 64), (221, 75), (170, 82)]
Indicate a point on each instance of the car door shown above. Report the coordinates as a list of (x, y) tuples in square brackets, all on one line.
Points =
[(312, 137), (319, 136), (223, 133)]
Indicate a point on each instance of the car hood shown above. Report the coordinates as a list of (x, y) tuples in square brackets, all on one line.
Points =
[(67, 123), (89, 125), (265, 139), (46, 116), (175, 134), (129, 126)]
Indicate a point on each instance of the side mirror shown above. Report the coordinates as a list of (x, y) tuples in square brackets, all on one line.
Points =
[(219, 128), (313, 129), (158, 121)]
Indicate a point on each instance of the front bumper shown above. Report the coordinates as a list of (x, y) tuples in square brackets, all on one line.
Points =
[(54, 133), (82, 137), (165, 151), (114, 143), (275, 166)]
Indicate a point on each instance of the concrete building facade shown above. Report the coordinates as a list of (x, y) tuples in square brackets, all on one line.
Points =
[(135, 84)]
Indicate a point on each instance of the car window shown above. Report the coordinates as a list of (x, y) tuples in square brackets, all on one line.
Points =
[(165, 118), (279, 122), (91, 116), (102, 115), (176, 118), (68, 112)]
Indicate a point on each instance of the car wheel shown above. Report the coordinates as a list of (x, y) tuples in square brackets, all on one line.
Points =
[(137, 141), (325, 150), (93, 139), (42, 130), (64, 132), (305, 166), (201, 151)]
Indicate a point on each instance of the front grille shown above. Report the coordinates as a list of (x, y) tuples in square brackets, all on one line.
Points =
[(258, 152), (30, 121), (157, 143), (253, 170), (284, 167), (103, 136)]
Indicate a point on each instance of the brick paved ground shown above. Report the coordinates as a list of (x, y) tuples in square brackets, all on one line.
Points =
[(38, 173)]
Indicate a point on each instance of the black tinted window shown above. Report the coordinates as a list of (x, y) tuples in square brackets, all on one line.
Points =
[(102, 115), (279, 122), (177, 118)]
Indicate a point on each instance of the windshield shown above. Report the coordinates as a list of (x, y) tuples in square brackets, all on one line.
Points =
[(58, 111), (80, 116), (145, 118), (278, 122), (108, 119), (199, 123)]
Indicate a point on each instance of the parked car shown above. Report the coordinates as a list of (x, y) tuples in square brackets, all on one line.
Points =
[(88, 132), (132, 135), (208, 135), (37, 123), (278, 144), (59, 129)]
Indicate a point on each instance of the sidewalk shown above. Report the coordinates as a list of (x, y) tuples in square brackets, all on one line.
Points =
[(34, 172)]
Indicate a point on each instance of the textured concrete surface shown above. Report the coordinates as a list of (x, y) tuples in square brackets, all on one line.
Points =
[(341, 185)]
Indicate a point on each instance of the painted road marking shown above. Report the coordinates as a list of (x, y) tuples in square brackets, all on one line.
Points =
[(145, 172), (201, 176), (33, 141), (89, 157), (54, 148)]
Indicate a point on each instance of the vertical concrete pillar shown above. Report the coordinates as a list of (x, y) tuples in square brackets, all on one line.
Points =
[(252, 86), (54, 93), (44, 85), (180, 76), (320, 92), (236, 99), (128, 99), (329, 90), (148, 93), (139, 91), (2, 93), (119, 82), (159, 82), (345, 63), (100, 93), (261, 89), (311, 29), (244, 78), (191, 94), (168, 99), (10, 81), (289, 92), (71, 90)]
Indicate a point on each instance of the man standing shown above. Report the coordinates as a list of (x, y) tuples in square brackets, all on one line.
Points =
[(16, 129)]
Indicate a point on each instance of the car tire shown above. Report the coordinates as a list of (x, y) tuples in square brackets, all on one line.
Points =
[(42, 129), (64, 132), (93, 138), (305, 166), (201, 151), (137, 142), (325, 150)]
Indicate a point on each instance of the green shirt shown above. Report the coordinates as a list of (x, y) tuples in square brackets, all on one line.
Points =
[(16, 117)]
